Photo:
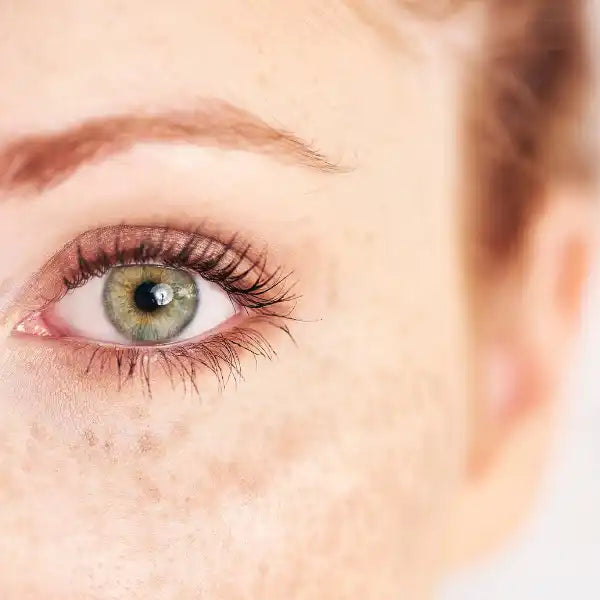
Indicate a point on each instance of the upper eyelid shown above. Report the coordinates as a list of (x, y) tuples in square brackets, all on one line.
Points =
[(193, 249), (97, 250), (130, 243)]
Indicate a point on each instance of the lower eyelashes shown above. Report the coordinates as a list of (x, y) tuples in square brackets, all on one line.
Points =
[(140, 298)]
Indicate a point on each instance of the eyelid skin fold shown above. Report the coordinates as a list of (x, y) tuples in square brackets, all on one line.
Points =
[(264, 294)]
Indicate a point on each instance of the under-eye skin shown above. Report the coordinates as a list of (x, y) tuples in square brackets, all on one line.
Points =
[(135, 299)]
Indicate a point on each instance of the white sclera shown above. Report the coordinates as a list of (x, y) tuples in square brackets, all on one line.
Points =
[(80, 313)]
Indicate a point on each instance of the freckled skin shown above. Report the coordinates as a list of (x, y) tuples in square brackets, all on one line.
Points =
[(90, 437), (150, 444), (326, 473)]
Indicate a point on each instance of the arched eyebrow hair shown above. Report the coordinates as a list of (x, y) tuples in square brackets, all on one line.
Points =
[(37, 162)]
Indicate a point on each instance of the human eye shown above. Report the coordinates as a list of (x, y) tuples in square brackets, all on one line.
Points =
[(129, 299)]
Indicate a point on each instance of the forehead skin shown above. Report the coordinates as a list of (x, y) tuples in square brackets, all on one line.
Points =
[(327, 472)]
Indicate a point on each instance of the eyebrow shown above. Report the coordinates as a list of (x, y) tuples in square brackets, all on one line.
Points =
[(40, 161)]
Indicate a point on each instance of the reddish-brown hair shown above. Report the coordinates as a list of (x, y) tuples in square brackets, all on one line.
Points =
[(525, 113)]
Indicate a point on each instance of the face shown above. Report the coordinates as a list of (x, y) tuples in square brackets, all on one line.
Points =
[(232, 302)]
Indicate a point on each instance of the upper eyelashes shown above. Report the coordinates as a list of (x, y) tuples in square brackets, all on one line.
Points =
[(242, 272)]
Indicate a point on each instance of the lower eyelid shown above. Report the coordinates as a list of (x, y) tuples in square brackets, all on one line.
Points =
[(192, 367)]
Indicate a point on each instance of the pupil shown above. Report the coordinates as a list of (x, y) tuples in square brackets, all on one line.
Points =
[(146, 297)]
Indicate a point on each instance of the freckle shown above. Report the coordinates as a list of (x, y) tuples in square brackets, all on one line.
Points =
[(180, 431), (149, 489), (90, 438), (139, 412), (262, 80), (149, 444), (8, 489), (153, 493), (244, 479), (158, 582), (332, 289), (38, 432), (290, 443)]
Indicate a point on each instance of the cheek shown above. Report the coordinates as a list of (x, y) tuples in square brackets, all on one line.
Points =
[(392, 359), (283, 496)]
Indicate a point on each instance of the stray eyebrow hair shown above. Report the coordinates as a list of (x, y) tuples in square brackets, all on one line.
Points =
[(39, 161)]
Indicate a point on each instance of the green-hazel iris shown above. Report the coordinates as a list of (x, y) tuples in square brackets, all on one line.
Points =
[(150, 303)]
